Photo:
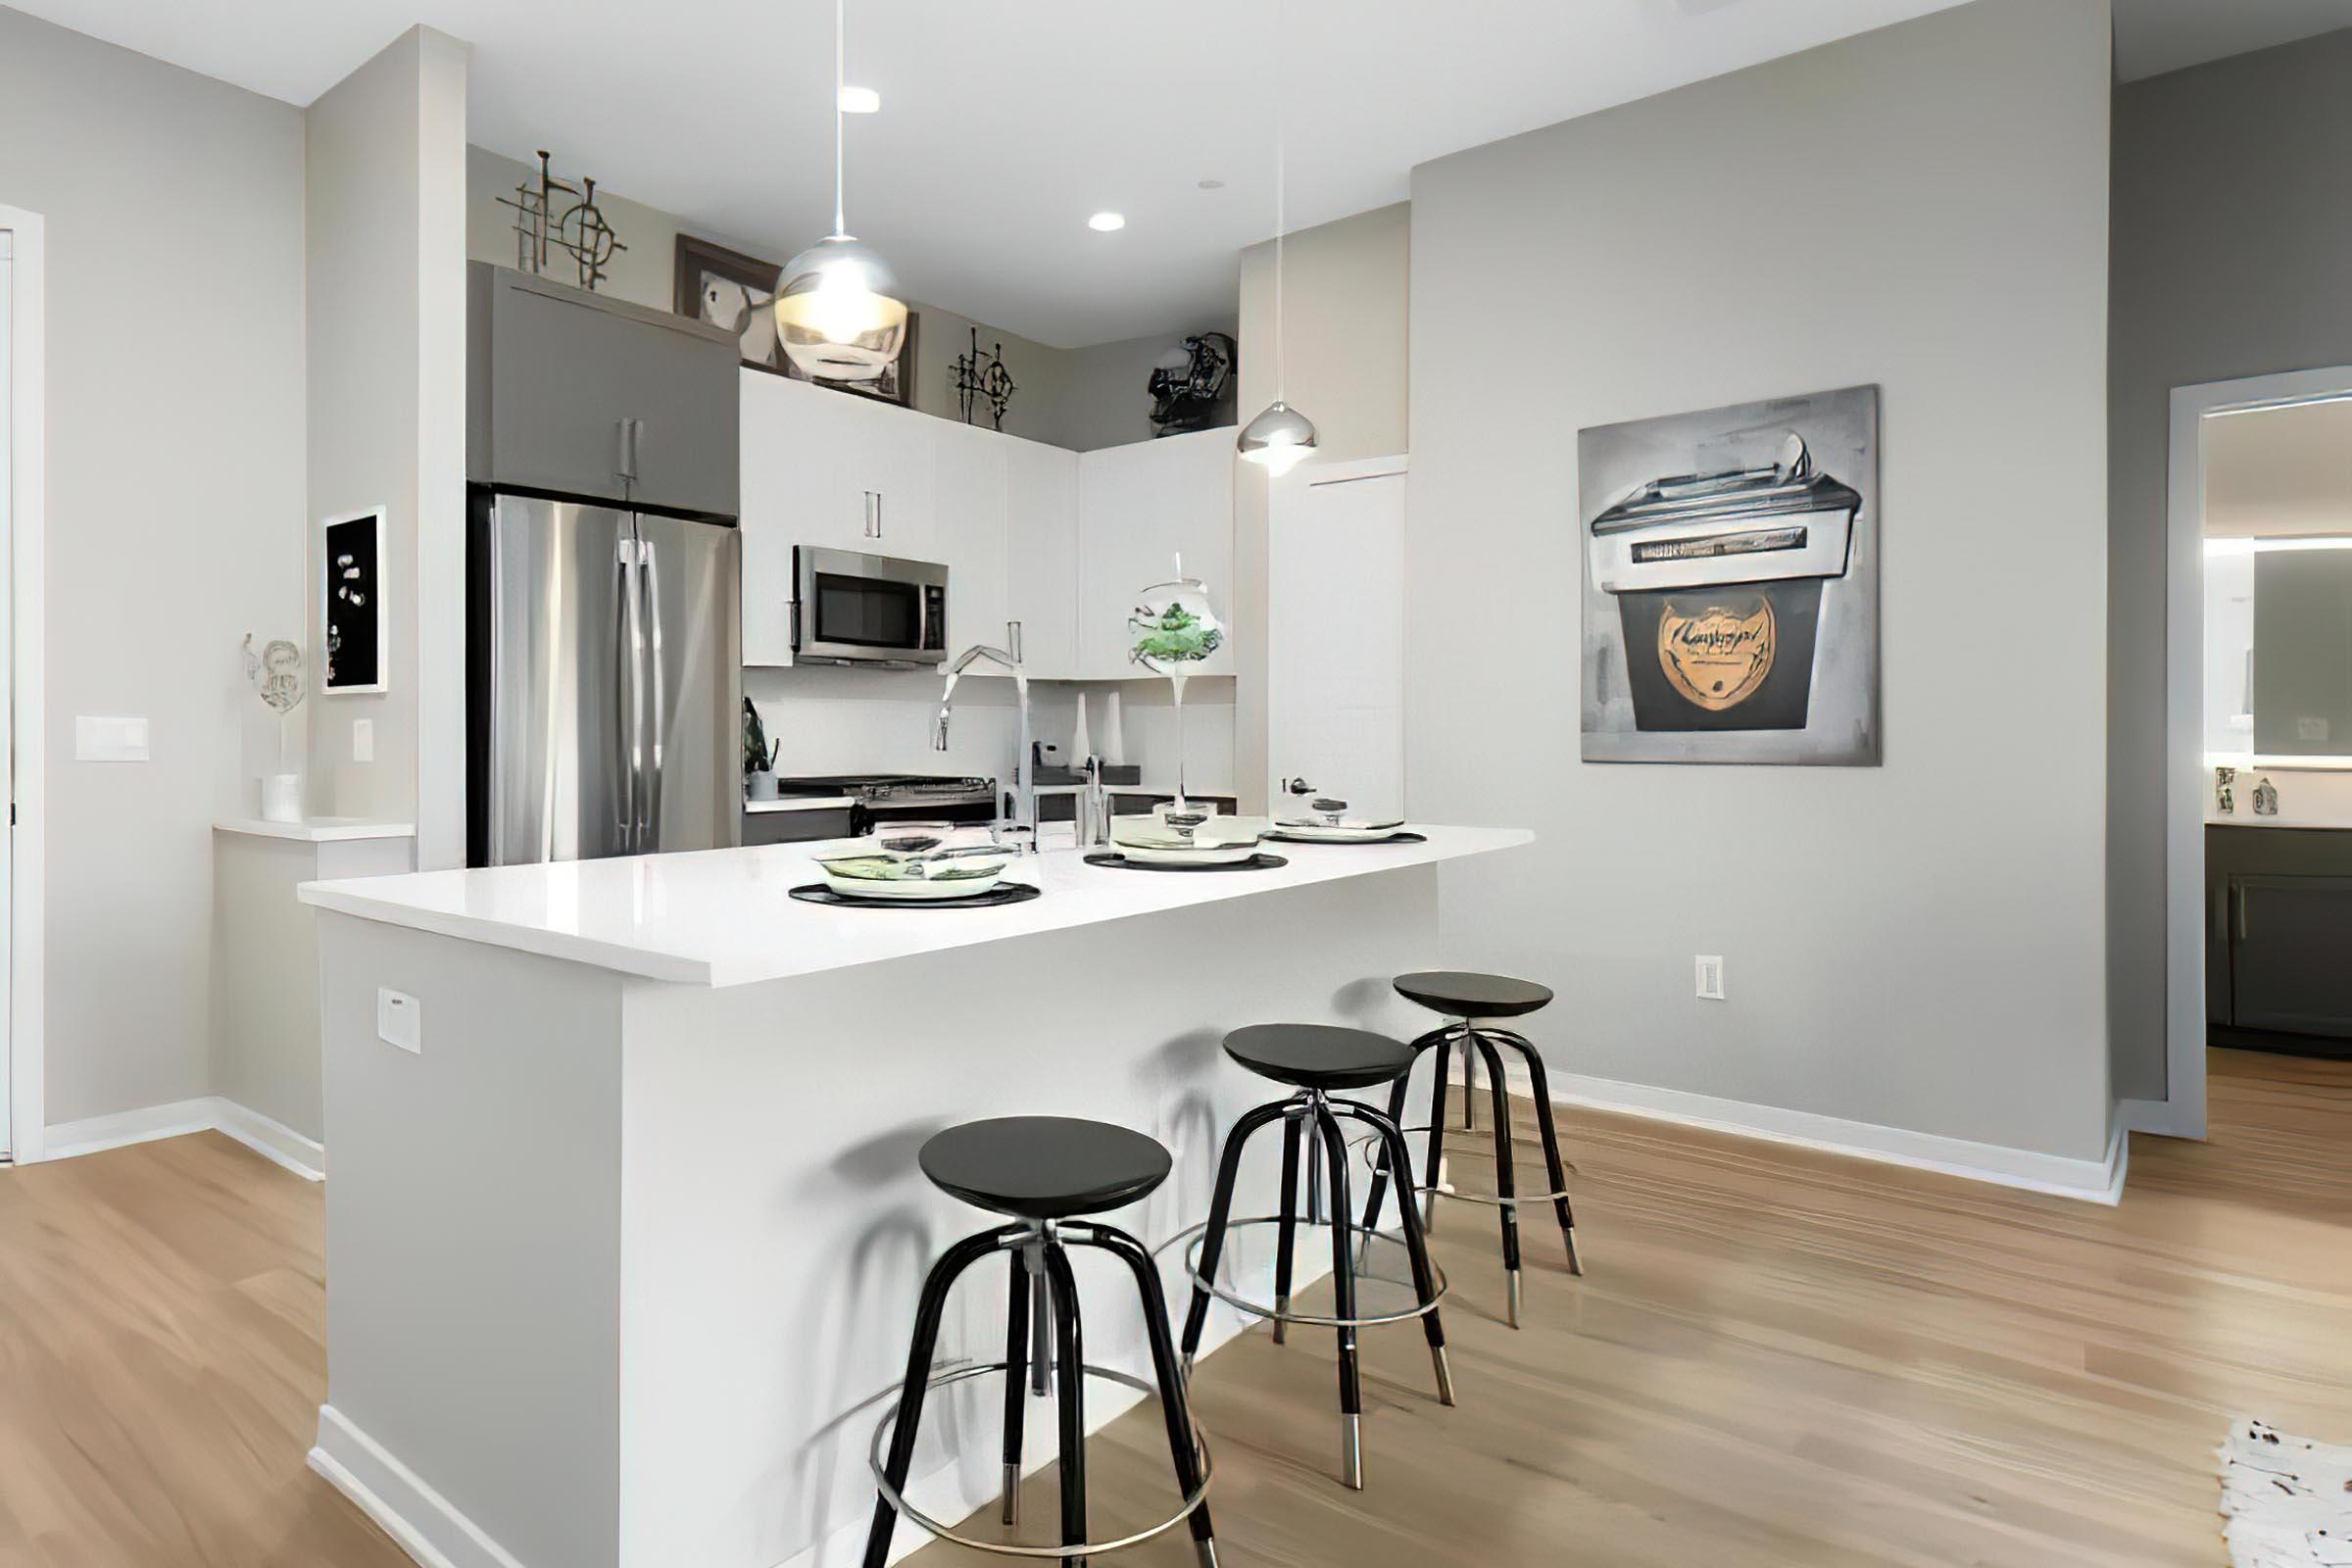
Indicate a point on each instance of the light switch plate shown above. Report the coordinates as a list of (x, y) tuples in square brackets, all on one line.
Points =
[(109, 740), (362, 740), (1709, 976), (399, 1020)]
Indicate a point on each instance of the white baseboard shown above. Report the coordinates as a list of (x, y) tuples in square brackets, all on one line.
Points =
[(273, 1140), (2097, 1181), (419, 1520)]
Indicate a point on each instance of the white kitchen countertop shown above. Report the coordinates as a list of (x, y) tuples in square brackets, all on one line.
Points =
[(317, 830), (801, 803), (724, 918)]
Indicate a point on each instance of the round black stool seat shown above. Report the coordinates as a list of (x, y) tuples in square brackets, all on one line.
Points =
[(1460, 993), (1320, 1055), (1044, 1167)]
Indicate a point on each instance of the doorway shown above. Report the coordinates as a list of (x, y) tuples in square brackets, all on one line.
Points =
[(1335, 650), (2258, 727)]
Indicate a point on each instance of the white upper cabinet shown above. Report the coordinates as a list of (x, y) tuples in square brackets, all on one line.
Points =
[(1059, 541), (784, 456), (1041, 564), (969, 468), (1139, 507)]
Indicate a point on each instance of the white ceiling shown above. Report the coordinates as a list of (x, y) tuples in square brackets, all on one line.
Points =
[(2153, 36), (1006, 123), (2279, 472)]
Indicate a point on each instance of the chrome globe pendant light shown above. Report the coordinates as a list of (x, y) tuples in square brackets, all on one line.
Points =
[(837, 312), (1280, 438)]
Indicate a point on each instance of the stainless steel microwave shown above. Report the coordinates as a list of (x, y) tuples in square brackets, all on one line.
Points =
[(854, 608)]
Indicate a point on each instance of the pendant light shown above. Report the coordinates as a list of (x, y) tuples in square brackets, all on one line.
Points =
[(837, 306), (1280, 438)]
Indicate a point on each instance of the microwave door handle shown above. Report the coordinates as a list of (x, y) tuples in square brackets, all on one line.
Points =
[(648, 588)]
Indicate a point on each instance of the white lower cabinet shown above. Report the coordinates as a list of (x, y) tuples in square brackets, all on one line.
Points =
[(1060, 541)]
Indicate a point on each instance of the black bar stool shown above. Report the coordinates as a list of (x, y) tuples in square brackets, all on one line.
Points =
[(1471, 1001), (1046, 1171), (1318, 1060)]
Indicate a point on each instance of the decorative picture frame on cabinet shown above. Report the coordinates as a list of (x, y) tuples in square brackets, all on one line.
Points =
[(729, 288), (1731, 584), (354, 624)]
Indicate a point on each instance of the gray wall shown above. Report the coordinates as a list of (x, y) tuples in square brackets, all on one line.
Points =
[(173, 207), (1917, 946), (2232, 247), (385, 173), (1075, 398)]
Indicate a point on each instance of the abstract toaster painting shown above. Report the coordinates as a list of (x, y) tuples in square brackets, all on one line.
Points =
[(1731, 567)]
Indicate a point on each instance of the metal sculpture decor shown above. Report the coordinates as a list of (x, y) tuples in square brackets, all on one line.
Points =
[(982, 377), (579, 230), (1190, 384)]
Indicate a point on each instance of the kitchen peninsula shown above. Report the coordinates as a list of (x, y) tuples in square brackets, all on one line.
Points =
[(624, 1230)]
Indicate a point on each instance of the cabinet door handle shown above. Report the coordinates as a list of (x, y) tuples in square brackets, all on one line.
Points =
[(878, 514), (2237, 893)]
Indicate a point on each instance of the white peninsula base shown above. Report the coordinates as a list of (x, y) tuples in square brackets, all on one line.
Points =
[(618, 1265)]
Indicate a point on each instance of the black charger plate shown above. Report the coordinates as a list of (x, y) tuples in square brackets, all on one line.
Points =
[(1260, 861), (1400, 837), (1002, 893)]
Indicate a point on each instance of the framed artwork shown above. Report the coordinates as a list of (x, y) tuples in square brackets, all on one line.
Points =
[(730, 289), (1731, 584), (352, 611)]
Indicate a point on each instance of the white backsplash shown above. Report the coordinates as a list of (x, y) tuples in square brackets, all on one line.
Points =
[(832, 721)]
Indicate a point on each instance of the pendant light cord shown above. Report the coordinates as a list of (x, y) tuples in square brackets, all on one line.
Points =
[(1281, 174), (841, 223)]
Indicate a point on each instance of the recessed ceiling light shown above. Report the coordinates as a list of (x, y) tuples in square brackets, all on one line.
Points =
[(1212, 185), (860, 101), (1106, 223)]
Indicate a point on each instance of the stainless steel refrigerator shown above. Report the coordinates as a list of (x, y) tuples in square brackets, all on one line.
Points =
[(605, 681)]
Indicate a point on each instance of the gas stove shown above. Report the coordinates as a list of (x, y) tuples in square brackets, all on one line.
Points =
[(902, 797)]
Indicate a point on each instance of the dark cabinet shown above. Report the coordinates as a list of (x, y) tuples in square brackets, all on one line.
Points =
[(2290, 953), (578, 395), (2279, 938), (796, 827)]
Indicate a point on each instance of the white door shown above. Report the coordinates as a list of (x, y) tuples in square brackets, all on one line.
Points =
[(1335, 635), (8, 634)]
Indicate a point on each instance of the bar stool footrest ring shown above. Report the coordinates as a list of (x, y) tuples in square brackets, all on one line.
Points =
[(1367, 1148), (1255, 1308), (1010, 1549)]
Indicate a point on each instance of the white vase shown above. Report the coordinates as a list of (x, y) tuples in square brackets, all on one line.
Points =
[(282, 797), (1081, 738), (1114, 732), (763, 785)]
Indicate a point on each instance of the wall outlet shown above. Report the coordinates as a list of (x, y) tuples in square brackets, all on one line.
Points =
[(399, 1020), (1709, 967), (109, 740), (362, 740)]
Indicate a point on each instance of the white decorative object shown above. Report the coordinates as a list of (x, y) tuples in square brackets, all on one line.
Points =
[(282, 797), (1114, 733), (2288, 1500), (276, 676), (1176, 627), (1081, 738)]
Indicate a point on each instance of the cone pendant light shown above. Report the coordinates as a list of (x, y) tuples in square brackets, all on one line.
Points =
[(837, 306), (1280, 438)]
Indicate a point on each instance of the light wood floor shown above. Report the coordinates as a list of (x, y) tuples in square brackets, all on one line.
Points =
[(1776, 1358)]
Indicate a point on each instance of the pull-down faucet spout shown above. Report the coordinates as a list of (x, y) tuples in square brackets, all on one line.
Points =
[(1024, 767)]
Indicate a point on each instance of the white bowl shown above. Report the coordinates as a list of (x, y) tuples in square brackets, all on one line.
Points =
[(1195, 855)]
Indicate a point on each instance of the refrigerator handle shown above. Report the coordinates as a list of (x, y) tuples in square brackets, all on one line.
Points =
[(627, 684), (649, 589)]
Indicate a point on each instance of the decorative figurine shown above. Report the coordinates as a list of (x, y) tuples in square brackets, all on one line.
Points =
[(2266, 798), (2224, 797), (579, 230), (977, 376), (1190, 382)]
